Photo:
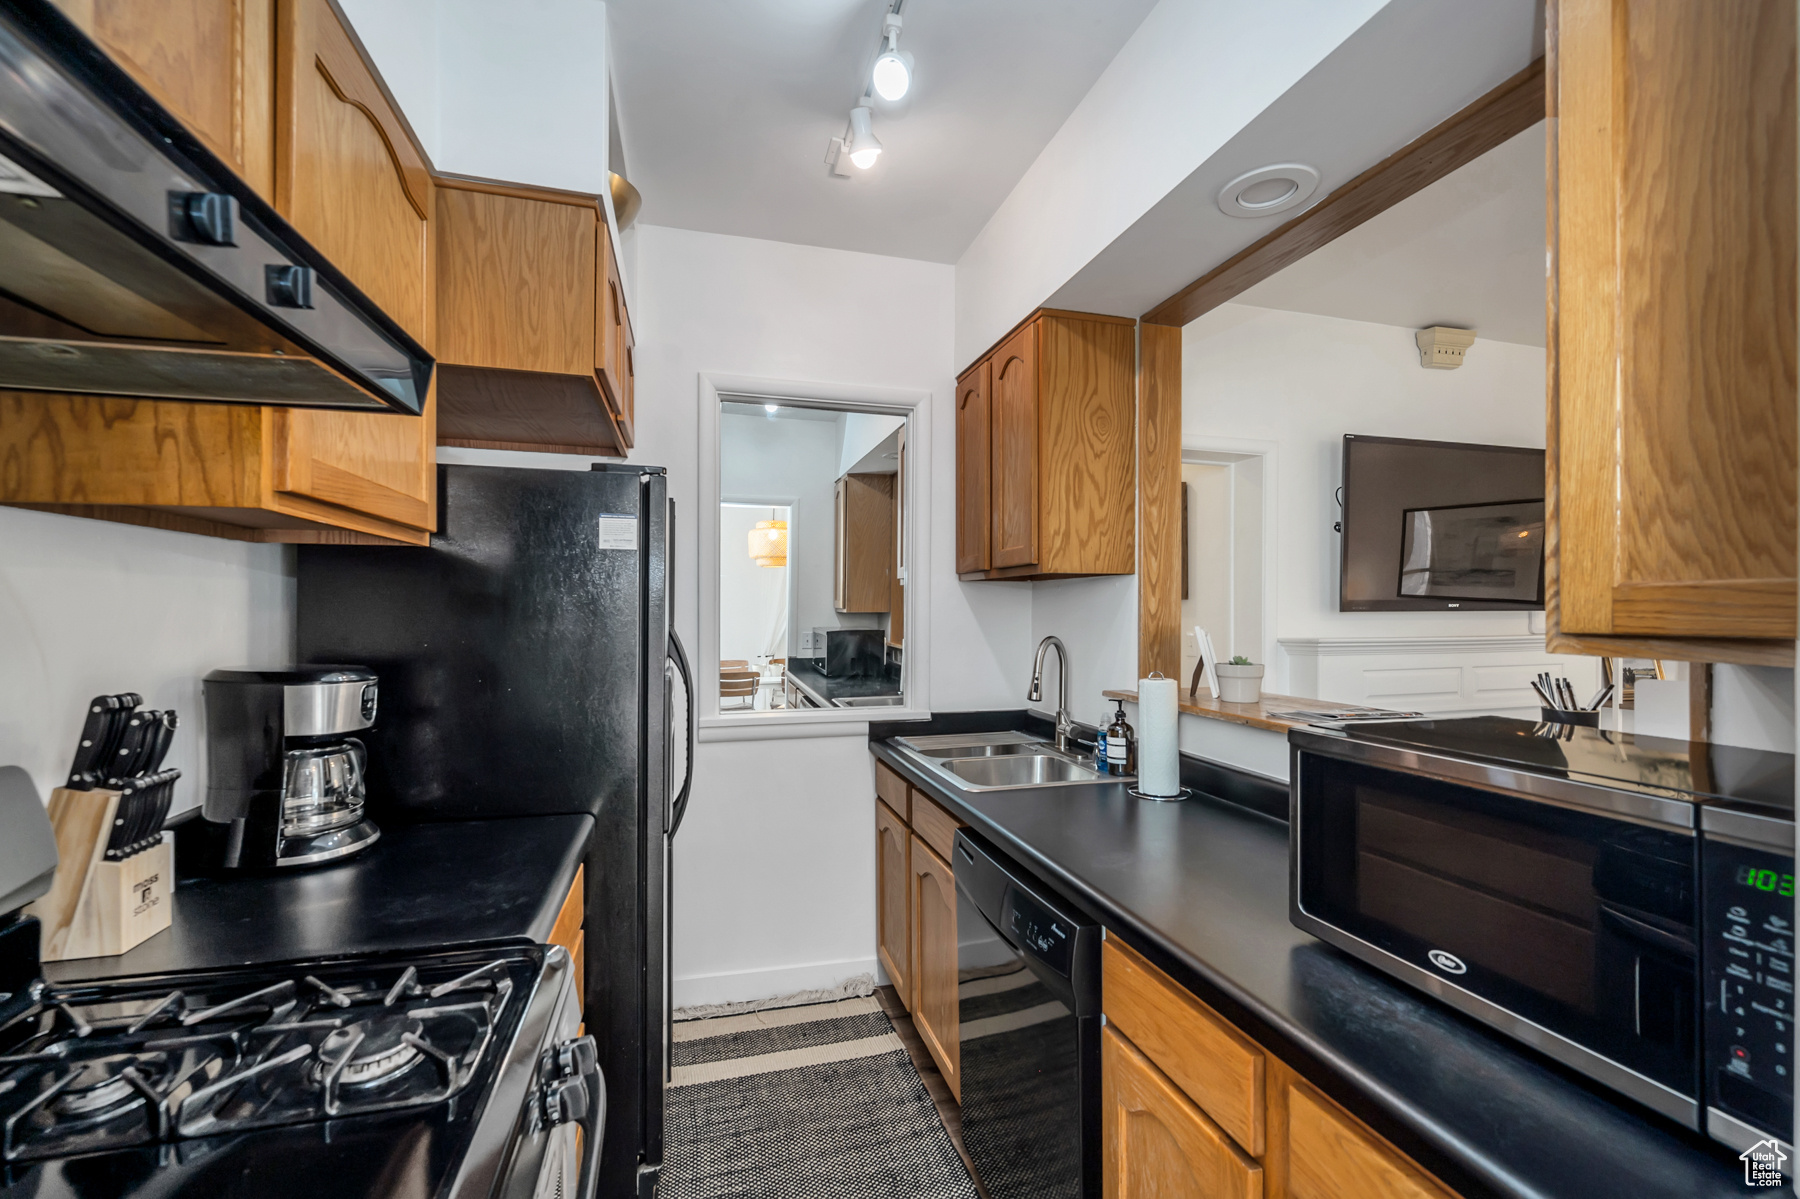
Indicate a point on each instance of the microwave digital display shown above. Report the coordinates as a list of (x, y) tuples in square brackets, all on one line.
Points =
[(1771, 881)]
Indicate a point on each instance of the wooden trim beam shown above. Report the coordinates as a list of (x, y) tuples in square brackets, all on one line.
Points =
[(1503, 113), (1159, 494)]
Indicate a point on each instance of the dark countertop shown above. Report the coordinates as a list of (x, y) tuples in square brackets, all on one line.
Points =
[(421, 886), (805, 674), (1202, 888)]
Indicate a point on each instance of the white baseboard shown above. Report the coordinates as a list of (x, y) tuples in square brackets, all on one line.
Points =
[(740, 986)]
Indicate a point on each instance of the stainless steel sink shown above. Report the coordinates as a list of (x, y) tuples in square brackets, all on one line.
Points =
[(998, 761), (869, 701)]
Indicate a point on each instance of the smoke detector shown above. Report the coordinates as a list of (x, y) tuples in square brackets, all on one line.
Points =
[(1441, 348)]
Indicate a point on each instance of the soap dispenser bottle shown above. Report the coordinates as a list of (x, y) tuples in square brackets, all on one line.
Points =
[(1121, 744)]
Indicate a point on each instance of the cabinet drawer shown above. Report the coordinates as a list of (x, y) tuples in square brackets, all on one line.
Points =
[(1330, 1156), (1156, 1142), (892, 789), (1217, 1066), (936, 827)]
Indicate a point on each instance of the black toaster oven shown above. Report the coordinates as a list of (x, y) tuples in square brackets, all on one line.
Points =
[(1622, 904)]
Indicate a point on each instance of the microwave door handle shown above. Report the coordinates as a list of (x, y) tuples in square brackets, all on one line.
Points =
[(1645, 933)]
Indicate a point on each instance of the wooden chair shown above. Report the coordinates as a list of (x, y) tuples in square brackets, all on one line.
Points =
[(737, 684)]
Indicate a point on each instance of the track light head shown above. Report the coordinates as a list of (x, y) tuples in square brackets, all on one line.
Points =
[(892, 77), (863, 146)]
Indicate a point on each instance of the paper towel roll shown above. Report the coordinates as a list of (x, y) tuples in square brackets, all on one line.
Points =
[(1159, 762)]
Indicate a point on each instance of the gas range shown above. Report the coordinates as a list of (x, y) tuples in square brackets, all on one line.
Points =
[(451, 1075)]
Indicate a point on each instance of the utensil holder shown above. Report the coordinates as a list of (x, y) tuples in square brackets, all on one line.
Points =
[(1572, 716), (95, 907)]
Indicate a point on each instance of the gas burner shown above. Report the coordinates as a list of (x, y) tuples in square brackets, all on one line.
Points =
[(369, 1052), (101, 1090)]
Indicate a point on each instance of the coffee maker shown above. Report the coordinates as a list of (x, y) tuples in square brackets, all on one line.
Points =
[(285, 781)]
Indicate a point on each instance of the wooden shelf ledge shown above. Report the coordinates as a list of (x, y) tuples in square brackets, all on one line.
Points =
[(1259, 715)]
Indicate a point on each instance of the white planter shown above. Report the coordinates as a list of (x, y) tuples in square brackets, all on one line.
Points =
[(1239, 684)]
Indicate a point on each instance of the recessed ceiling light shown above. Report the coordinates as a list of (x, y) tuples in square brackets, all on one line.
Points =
[(1269, 190), (771, 409)]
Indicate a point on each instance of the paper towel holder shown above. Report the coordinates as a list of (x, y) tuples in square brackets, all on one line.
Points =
[(1184, 793)]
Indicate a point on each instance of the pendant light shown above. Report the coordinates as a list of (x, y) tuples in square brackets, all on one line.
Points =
[(769, 543)]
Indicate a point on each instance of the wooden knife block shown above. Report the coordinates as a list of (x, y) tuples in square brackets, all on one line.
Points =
[(96, 908)]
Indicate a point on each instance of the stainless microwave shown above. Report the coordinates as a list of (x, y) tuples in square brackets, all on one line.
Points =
[(1622, 904)]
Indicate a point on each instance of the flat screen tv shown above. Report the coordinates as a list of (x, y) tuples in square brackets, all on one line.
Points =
[(1431, 526)]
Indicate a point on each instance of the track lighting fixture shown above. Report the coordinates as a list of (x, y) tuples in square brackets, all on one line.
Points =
[(892, 76), (863, 147)]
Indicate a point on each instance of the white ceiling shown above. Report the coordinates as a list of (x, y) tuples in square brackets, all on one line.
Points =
[(1412, 65), (726, 108), (1467, 251)]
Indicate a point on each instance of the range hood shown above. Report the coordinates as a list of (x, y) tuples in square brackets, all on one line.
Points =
[(134, 263)]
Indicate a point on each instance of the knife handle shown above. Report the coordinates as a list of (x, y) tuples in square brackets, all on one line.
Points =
[(86, 771)]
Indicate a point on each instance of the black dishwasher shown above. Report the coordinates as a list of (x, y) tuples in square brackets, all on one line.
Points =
[(1028, 1005)]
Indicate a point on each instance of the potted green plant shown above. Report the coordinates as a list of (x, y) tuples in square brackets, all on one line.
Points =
[(1240, 680)]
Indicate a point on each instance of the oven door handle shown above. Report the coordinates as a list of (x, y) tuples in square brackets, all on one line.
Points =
[(593, 1130)]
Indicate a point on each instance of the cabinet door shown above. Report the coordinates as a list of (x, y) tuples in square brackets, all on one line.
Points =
[(209, 62), (933, 902), (347, 173), (352, 182), (1672, 319), (515, 282), (893, 923), (1156, 1143), (1329, 1156), (613, 339), (865, 541), (1015, 449), (974, 471)]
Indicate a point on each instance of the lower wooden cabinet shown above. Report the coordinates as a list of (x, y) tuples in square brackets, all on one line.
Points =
[(1194, 1107), (570, 929), (915, 906), (893, 912), (1158, 1142), (934, 1009)]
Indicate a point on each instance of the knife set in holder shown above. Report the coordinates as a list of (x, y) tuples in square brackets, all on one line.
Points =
[(115, 868)]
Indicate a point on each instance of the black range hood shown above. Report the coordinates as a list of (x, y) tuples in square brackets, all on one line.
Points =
[(134, 263)]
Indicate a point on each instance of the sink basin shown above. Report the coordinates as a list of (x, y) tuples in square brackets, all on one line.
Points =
[(869, 701), (1019, 770), (995, 761)]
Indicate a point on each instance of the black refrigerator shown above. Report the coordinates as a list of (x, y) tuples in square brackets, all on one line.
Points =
[(528, 667)]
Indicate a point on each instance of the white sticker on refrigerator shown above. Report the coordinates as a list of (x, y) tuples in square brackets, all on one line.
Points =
[(618, 533)]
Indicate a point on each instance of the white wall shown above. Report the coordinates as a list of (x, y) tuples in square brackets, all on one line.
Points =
[(515, 91), (1302, 382), (757, 620), (1192, 76), (772, 459), (91, 608), (774, 868)]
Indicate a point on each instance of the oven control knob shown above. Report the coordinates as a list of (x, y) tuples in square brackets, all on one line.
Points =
[(565, 1099), (577, 1057)]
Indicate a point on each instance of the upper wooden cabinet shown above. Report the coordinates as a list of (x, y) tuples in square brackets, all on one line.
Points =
[(522, 294), (863, 544), (348, 175), (343, 168), (614, 344), (210, 62), (974, 471), (1672, 374), (1045, 452)]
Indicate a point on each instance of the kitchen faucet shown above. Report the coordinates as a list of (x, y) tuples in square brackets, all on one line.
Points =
[(1065, 729)]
